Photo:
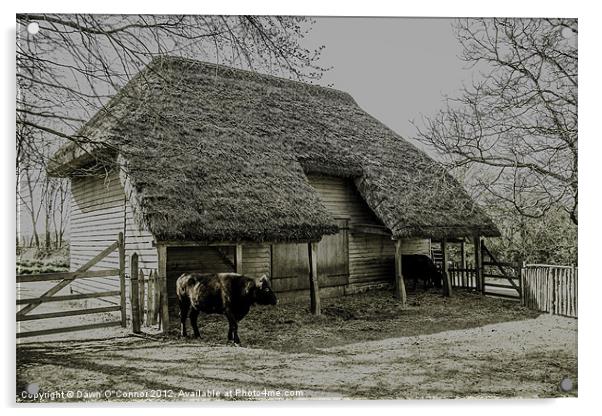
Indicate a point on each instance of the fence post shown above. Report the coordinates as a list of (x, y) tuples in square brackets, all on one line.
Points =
[(521, 282), (552, 298), (447, 284), (478, 264), (463, 263), (156, 298), (122, 303), (149, 299), (162, 252), (142, 296), (314, 288), (135, 294)]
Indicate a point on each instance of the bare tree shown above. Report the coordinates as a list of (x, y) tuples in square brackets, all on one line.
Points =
[(514, 130), (30, 199), (68, 70), (61, 210)]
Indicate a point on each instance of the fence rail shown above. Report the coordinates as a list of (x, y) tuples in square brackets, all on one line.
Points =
[(550, 288), (66, 279), (463, 277)]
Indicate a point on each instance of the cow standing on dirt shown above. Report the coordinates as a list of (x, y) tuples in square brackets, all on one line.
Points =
[(420, 267), (230, 294)]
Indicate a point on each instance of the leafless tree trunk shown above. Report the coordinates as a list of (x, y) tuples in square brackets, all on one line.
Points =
[(28, 200)]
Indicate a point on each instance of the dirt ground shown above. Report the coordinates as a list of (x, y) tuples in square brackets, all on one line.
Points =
[(364, 346)]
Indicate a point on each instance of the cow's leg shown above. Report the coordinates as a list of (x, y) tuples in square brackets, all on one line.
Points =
[(232, 328), (194, 314), (184, 304)]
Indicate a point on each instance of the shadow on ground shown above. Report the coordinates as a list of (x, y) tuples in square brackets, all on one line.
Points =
[(363, 346)]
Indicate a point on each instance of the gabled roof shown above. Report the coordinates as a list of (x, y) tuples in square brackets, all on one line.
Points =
[(216, 153)]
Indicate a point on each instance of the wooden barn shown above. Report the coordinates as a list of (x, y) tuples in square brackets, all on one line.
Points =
[(210, 168)]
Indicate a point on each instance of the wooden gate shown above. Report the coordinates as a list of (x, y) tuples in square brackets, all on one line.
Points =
[(65, 279), (500, 279)]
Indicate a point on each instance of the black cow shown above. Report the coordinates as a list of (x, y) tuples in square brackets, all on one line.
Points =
[(230, 294), (420, 267)]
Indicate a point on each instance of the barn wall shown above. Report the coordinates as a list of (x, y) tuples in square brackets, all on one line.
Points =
[(371, 257), (256, 260), (99, 212)]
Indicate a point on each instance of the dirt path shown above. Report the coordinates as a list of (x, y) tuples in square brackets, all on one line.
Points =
[(521, 358)]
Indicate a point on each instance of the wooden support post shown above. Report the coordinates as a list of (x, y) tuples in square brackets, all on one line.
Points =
[(142, 297), (447, 287), (238, 259), (122, 302), (521, 272), (478, 264), (135, 294), (162, 252), (149, 299), (463, 282), (314, 289), (400, 287)]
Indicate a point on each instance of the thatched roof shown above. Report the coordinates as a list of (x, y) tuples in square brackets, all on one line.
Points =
[(217, 153)]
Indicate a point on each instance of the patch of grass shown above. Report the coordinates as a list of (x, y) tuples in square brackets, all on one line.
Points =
[(34, 261)]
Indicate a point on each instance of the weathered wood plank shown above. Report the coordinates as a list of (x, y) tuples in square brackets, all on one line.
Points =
[(400, 289), (238, 262), (134, 294), (68, 329), (447, 286), (314, 288), (45, 277), (162, 253), (62, 314), (67, 297)]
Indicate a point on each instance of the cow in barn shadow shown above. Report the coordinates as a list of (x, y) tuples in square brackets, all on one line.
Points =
[(229, 294), (415, 267)]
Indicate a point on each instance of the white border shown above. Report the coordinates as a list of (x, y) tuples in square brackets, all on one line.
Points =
[(589, 175)]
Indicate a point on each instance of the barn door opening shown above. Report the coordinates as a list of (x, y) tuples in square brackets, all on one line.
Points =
[(202, 259), (290, 262)]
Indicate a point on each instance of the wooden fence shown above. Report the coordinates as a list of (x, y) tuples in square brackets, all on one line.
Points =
[(64, 280), (550, 288), (146, 295), (463, 277)]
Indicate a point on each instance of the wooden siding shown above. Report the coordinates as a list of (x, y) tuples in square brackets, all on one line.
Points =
[(416, 246), (99, 212), (290, 263), (256, 260), (371, 257)]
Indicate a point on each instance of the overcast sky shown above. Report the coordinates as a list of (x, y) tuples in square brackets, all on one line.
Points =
[(395, 68)]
